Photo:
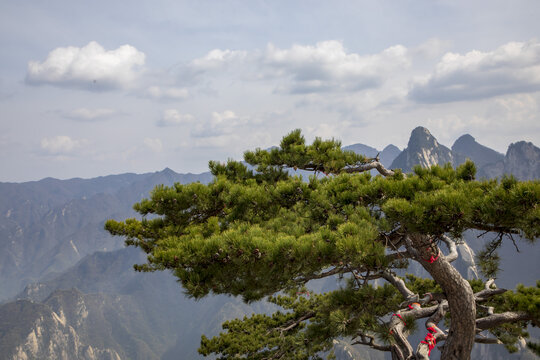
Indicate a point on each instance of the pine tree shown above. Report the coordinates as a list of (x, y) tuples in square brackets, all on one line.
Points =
[(262, 231)]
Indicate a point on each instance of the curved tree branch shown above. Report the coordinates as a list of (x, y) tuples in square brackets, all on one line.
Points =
[(400, 285), (434, 332), (488, 291), (369, 166), (452, 248), (294, 323), (370, 341), (494, 320)]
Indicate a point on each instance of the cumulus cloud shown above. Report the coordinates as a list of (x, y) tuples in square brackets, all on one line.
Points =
[(217, 58), (511, 68), (220, 123), (327, 66), (301, 69), (61, 145), (85, 114), (167, 93), (154, 144), (90, 67), (172, 117)]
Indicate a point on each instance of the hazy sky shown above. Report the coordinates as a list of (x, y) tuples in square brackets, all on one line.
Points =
[(90, 88)]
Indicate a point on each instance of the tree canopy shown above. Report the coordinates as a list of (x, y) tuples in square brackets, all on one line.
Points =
[(260, 230)]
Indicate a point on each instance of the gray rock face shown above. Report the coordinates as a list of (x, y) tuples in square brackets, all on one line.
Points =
[(522, 160), (424, 150), (50, 330)]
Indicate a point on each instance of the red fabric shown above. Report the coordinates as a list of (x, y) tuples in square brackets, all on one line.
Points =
[(399, 316), (432, 259), (430, 341)]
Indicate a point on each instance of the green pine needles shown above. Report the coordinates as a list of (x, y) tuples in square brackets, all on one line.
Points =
[(261, 231)]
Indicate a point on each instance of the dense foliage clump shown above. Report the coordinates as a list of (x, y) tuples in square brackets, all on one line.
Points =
[(260, 230)]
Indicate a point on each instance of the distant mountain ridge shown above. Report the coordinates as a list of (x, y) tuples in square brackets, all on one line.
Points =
[(387, 155), (467, 146), (48, 225), (151, 317), (424, 150), (92, 305), (521, 160)]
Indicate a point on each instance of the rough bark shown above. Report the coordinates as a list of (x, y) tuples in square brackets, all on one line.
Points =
[(459, 294)]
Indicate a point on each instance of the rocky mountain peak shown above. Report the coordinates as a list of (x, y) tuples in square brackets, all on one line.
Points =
[(523, 149), (421, 138), (523, 160), (423, 149)]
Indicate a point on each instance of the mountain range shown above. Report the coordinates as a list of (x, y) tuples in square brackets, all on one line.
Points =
[(522, 158), (68, 289)]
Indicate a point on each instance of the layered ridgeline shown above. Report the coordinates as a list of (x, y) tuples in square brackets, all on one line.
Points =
[(112, 312), (521, 160), (49, 225)]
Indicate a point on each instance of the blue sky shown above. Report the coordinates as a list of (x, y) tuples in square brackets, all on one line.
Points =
[(97, 88)]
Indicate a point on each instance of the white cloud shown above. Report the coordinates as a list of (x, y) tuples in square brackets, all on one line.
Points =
[(220, 123), (226, 116), (61, 145), (90, 67), (85, 114), (430, 49), (511, 68), (167, 93), (324, 67), (217, 58), (327, 66), (154, 144), (172, 117)]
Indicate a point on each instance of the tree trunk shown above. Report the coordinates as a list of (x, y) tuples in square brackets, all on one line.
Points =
[(458, 345)]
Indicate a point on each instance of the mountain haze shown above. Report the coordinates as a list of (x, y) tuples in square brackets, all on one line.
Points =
[(48, 225), (467, 146), (76, 294)]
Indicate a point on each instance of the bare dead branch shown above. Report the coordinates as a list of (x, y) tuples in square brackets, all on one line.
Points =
[(369, 166), (452, 248), (494, 320), (400, 285), (485, 340), (513, 242), (397, 326), (364, 339), (488, 291)]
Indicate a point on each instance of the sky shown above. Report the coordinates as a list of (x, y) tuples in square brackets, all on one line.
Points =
[(106, 87)]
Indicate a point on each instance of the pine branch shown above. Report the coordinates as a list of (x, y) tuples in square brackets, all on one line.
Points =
[(369, 166), (488, 292), (370, 341), (294, 323), (334, 271), (399, 284), (495, 320)]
